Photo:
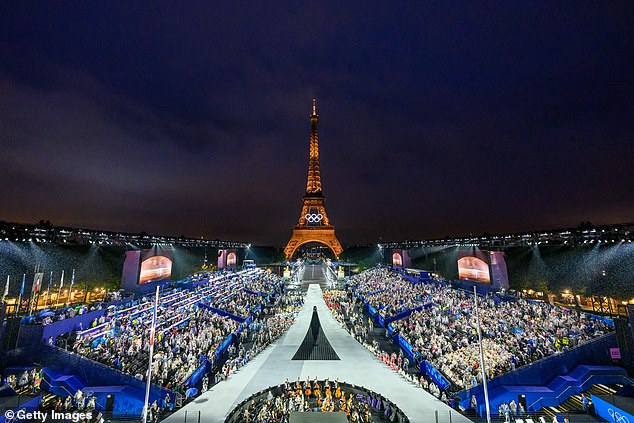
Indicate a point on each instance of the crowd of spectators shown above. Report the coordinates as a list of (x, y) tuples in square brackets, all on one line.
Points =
[(244, 298), (177, 351), (189, 328), (515, 331), (263, 330), (387, 291), (348, 312)]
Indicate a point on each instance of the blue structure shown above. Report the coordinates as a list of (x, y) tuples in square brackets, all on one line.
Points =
[(551, 381), (618, 409), (547, 382)]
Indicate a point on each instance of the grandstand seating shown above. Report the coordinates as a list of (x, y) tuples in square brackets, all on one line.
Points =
[(241, 292), (552, 381)]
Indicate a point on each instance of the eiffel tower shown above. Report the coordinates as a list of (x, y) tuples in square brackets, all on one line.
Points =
[(314, 225)]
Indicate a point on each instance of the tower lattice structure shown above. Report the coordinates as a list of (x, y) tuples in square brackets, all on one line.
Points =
[(313, 225)]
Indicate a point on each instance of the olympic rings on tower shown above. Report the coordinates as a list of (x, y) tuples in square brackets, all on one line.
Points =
[(314, 218)]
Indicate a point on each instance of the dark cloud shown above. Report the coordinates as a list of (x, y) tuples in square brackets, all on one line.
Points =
[(192, 119)]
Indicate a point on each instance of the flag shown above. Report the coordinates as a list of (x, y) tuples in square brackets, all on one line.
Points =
[(23, 281), (6, 289), (153, 329), (50, 282), (72, 281), (61, 282), (37, 283)]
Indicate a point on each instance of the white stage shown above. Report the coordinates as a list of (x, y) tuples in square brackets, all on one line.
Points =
[(356, 366)]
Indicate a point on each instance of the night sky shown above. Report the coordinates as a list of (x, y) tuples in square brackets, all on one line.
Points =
[(438, 119)]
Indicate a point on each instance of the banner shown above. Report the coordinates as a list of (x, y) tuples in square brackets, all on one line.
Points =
[(6, 288), (37, 283)]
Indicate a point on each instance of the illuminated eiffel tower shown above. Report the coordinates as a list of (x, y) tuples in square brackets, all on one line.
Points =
[(314, 225)]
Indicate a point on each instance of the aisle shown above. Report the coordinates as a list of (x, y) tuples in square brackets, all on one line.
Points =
[(356, 365)]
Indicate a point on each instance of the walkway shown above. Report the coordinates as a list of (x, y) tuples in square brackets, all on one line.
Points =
[(356, 366)]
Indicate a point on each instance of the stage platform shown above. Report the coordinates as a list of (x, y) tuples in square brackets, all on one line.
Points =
[(318, 418), (356, 365)]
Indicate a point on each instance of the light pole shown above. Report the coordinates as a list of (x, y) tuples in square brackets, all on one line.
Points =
[(482, 368), (146, 403)]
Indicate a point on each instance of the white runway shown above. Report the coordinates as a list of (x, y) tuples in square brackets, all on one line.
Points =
[(356, 366)]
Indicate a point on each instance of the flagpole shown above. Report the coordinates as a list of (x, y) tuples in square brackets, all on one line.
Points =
[(48, 291), (28, 309), (59, 290), (6, 289), (21, 292), (482, 368), (146, 407), (70, 290), (38, 291)]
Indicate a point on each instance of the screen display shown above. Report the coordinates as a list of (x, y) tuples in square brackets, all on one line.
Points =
[(231, 258), (155, 269), (397, 259), (474, 269)]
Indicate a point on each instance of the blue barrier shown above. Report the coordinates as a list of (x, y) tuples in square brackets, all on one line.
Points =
[(222, 312), (31, 405), (381, 320), (610, 412), (467, 285), (373, 311), (60, 327), (436, 377), (409, 350), (410, 278), (61, 367), (406, 313), (246, 323), (225, 345), (605, 320), (197, 375)]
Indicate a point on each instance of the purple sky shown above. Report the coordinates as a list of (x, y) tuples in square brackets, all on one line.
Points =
[(436, 119)]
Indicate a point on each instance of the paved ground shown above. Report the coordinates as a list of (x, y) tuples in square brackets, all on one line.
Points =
[(356, 366)]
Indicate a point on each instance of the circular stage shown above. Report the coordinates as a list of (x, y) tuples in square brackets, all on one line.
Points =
[(312, 400)]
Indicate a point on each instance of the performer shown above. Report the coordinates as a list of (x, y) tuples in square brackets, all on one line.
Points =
[(316, 388), (307, 390), (324, 406), (366, 414), (327, 391), (338, 393)]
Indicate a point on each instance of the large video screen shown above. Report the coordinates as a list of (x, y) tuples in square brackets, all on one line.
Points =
[(231, 258), (155, 269), (474, 269), (397, 258), (156, 265)]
